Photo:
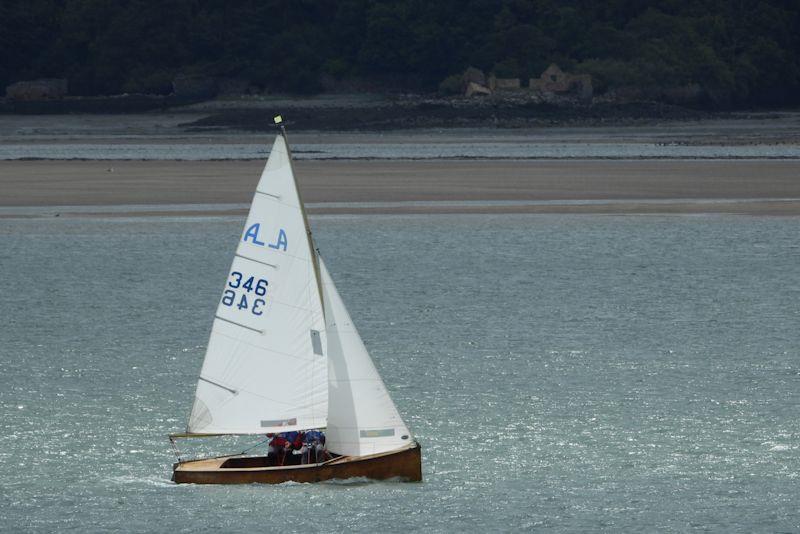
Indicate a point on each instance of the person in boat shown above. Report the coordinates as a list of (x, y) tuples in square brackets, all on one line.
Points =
[(278, 447), (295, 441), (313, 450)]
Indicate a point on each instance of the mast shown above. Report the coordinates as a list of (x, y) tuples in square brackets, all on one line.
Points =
[(313, 249)]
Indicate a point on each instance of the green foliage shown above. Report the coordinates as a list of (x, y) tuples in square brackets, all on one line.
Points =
[(336, 67), (148, 81), (609, 73), (508, 68), (737, 53), (452, 85)]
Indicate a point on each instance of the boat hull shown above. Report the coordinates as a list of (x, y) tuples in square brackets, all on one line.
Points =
[(403, 464)]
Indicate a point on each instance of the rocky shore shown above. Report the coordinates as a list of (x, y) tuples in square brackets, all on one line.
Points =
[(368, 111), (406, 113)]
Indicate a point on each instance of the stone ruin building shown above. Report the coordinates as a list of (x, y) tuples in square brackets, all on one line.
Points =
[(556, 82)]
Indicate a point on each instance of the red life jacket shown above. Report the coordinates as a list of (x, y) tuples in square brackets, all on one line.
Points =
[(278, 442)]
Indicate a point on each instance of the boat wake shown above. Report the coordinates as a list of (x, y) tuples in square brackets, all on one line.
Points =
[(360, 481), (144, 481)]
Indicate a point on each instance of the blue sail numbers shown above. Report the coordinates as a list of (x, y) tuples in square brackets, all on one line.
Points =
[(237, 294), (281, 242), (242, 285)]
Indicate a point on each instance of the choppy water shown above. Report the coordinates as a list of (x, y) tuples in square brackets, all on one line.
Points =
[(561, 372)]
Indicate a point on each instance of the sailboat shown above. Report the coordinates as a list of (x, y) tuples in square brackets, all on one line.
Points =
[(284, 355)]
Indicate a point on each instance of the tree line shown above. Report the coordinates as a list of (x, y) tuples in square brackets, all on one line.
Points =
[(734, 52)]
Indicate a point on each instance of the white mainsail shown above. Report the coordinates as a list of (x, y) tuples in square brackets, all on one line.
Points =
[(265, 368), (362, 418)]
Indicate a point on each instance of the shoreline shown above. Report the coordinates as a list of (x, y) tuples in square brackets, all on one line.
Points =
[(382, 111), (637, 186), (775, 208), (165, 137), (371, 111)]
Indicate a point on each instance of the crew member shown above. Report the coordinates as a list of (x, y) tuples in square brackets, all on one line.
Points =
[(314, 447), (276, 454)]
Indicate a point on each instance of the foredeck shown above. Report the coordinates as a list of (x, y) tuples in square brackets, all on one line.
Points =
[(213, 464)]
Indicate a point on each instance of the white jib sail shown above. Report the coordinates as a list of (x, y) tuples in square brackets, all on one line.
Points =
[(264, 368), (362, 419)]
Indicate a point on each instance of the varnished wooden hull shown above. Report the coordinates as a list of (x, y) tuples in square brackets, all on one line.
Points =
[(403, 464)]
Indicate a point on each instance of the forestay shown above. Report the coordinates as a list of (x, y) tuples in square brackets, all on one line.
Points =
[(265, 369), (363, 419)]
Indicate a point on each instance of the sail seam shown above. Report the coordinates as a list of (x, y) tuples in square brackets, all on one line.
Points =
[(272, 350), (257, 261), (239, 324), (299, 407), (292, 306)]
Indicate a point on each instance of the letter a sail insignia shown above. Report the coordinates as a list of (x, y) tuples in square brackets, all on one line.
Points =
[(282, 241), (252, 233)]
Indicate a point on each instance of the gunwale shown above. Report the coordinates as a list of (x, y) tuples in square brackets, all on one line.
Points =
[(404, 464)]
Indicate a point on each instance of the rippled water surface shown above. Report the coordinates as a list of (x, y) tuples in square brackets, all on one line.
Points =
[(561, 372)]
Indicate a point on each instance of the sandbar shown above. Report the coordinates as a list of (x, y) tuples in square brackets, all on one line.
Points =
[(609, 186)]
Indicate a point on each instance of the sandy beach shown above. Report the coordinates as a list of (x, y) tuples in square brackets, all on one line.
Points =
[(546, 186)]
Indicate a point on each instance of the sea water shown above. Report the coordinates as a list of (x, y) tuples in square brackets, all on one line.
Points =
[(570, 373)]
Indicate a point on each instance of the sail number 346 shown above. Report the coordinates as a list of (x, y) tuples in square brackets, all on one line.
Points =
[(245, 286)]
